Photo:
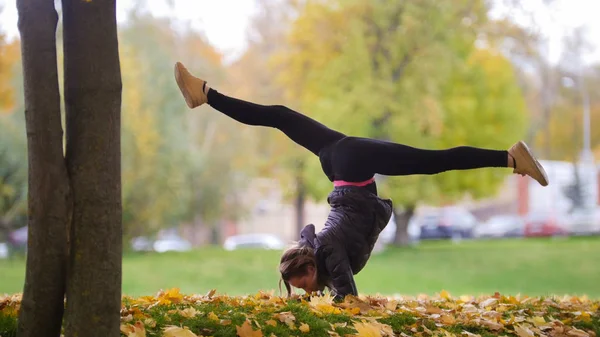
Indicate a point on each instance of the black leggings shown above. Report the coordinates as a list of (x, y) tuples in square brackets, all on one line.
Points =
[(354, 159)]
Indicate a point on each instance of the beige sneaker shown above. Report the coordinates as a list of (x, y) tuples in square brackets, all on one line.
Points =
[(527, 164), (194, 90)]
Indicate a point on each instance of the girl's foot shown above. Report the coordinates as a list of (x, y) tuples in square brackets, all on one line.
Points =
[(526, 164), (194, 90)]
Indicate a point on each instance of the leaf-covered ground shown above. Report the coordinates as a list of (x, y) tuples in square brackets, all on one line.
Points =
[(172, 314)]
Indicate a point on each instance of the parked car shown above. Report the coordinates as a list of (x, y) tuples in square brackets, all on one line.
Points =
[(171, 243), (258, 240), (388, 234), (141, 244), (583, 222), (540, 224), (447, 222), (501, 226), (3, 250)]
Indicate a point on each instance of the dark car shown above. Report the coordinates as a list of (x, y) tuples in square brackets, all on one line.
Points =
[(446, 223)]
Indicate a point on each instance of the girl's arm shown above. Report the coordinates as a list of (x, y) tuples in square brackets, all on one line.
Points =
[(338, 267)]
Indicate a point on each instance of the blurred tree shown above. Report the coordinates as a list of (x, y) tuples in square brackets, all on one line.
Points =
[(254, 77), (407, 72), (579, 85), (9, 55), (178, 164), (13, 147)]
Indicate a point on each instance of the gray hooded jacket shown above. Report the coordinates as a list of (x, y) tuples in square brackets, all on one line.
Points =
[(344, 246)]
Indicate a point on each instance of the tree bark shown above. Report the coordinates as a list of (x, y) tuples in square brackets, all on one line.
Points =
[(300, 202), (402, 218), (93, 117), (49, 205)]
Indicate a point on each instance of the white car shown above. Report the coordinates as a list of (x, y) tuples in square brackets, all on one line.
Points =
[(501, 226), (3, 250), (262, 241), (171, 244)]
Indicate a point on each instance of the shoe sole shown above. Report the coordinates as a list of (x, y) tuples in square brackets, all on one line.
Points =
[(182, 87), (537, 167)]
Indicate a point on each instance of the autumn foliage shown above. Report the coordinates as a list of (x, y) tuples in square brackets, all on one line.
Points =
[(172, 314)]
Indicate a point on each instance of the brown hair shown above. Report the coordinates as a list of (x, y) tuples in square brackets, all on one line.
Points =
[(295, 262)]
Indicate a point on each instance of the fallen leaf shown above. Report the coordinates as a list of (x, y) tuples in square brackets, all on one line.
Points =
[(537, 320), (577, 333), (188, 312), (286, 317), (391, 305), (225, 322), (434, 310), (149, 322), (469, 308), (170, 296), (366, 329), (445, 295), (212, 316), (447, 319), (323, 304), (304, 328), (488, 303), (176, 331), (136, 330), (492, 325), (271, 322), (246, 330), (523, 331)]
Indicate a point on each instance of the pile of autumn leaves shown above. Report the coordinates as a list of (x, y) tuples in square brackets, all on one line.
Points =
[(172, 314)]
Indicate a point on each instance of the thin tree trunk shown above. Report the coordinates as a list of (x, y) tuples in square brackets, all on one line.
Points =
[(402, 219), (93, 116), (49, 206), (300, 202)]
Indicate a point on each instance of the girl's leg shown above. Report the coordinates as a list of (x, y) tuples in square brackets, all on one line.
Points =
[(303, 130), (360, 158)]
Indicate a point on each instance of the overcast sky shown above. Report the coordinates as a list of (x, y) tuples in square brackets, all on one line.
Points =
[(225, 21)]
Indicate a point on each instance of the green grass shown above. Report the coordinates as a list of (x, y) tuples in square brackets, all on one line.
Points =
[(535, 267)]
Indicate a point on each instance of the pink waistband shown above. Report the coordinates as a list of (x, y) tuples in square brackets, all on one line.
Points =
[(337, 183)]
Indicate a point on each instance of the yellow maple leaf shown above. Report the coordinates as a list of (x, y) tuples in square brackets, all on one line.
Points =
[(304, 328), (271, 322), (212, 316), (445, 295), (246, 330), (169, 296), (537, 320), (175, 331), (366, 329), (323, 304)]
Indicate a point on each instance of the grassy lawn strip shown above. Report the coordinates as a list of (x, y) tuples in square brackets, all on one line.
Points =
[(172, 314), (536, 267)]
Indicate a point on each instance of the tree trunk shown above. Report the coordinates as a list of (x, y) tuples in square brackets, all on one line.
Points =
[(300, 203), (402, 218), (49, 204), (93, 156)]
